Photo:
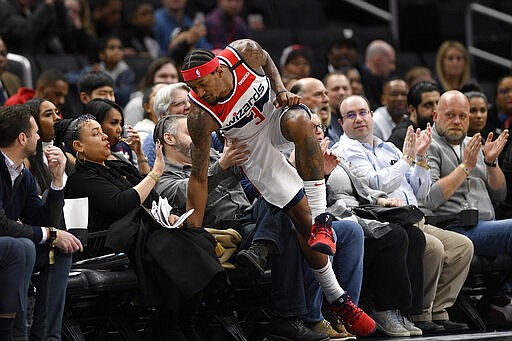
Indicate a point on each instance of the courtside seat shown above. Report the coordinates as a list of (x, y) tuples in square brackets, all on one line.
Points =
[(486, 277)]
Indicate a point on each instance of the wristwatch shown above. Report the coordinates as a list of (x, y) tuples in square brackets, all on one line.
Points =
[(491, 164), (53, 235)]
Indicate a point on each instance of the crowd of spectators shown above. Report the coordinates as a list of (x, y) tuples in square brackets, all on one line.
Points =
[(431, 138)]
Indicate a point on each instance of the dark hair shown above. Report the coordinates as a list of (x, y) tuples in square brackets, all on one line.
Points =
[(93, 80), (34, 104), (196, 57), (155, 65), (73, 131), (414, 95), (100, 107), (478, 94), (50, 77), (103, 41), (471, 86), (14, 119), (37, 165)]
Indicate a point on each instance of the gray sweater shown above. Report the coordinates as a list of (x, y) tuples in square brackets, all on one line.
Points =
[(226, 199), (443, 159)]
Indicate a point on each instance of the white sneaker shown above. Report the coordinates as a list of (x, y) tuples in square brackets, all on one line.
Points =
[(390, 323), (413, 330)]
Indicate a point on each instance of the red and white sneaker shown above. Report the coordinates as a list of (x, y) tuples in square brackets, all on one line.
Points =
[(322, 235), (353, 318)]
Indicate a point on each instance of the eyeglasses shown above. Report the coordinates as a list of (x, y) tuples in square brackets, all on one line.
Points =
[(321, 127), (353, 115)]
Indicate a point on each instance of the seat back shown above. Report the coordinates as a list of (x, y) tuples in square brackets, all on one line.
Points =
[(21, 67)]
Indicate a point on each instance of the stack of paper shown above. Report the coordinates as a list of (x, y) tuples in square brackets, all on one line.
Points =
[(162, 211)]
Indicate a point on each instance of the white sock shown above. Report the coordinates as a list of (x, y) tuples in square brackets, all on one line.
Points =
[(330, 286), (317, 196)]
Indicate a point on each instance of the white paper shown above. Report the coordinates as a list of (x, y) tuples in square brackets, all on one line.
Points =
[(162, 210), (76, 213)]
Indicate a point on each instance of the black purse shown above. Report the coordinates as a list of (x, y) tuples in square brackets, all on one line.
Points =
[(403, 215)]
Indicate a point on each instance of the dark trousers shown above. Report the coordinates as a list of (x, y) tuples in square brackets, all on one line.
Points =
[(12, 264), (393, 269)]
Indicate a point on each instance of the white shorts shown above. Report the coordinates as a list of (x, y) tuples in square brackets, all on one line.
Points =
[(267, 168)]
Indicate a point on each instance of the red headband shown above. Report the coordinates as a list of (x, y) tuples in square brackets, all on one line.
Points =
[(201, 70)]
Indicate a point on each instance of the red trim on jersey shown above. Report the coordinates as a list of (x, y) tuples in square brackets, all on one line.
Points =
[(201, 70)]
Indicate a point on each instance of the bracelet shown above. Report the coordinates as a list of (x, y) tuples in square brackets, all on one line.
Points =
[(280, 92), (154, 176), (422, 164), (465, 169), (408, 158), (491, 164), (143, 160), (421, 158)]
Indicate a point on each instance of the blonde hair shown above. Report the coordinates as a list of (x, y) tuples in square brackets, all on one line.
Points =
[(441, 54)]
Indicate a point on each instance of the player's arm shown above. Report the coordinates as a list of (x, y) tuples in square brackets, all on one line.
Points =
[(200, 125), (259, 59)]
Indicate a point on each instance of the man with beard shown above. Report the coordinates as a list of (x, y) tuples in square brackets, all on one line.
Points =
[(465, 172), (405, 174), (422, 101), (25, 216), (394, 109), (227, 207)]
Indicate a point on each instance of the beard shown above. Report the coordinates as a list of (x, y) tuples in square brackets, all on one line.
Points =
[(183, 148), (423, 121), (453, 138)]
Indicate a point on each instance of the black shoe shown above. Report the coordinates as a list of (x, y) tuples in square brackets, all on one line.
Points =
[(294, 330), (255, 257), (451, 326), (429, 327)]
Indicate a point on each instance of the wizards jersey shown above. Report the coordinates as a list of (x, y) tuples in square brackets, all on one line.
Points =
[(247, 108)]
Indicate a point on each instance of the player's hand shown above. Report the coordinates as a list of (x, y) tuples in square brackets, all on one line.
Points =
[(285, 98), (389, 202)]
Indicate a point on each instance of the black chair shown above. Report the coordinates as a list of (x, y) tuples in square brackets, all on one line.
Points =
[(102, 301)]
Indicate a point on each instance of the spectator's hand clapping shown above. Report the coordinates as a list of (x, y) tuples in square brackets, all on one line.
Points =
[(493, 149), (324, 144), (409, 149), (423, 140), (331, 160), (233, 154), (471, 151)]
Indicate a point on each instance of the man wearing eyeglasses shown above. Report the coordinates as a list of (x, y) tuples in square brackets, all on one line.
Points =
[(406, 175)]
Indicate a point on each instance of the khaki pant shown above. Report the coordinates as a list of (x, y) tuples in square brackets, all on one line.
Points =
[(446, 264)]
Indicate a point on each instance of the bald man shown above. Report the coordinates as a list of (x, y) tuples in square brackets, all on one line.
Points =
[(465, 173), (379, 63)]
